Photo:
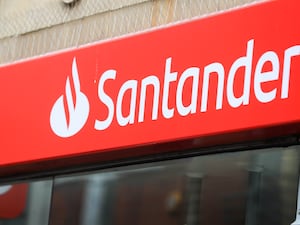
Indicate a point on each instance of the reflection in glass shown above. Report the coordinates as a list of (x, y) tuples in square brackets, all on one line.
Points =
[(241, 188), (25, 203)]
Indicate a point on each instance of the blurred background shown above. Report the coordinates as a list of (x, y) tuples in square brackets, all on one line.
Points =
[(255, 187), (31, 28)]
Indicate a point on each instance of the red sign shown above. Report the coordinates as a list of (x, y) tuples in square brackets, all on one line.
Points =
[(12, 200), (227, 72)]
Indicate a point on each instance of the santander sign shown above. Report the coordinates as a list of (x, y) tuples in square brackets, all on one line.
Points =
[(224, 73), (78, 111)]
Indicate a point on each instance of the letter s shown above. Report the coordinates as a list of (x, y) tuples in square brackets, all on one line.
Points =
[(102, 125)]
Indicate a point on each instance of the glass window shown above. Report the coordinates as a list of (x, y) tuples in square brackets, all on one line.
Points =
[(246, 188), (25, 203)]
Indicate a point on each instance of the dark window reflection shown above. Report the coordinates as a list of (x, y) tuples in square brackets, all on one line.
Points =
[(25, 203), (241, 188)]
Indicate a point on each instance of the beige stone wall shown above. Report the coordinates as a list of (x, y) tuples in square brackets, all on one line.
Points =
[(33, 27)]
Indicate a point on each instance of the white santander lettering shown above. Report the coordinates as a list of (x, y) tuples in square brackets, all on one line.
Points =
[(102, 125), (219, 69), (130, 85), (288, 54), (169, 77), (245, 61), (154, 81), (261, 77), (174, 82), (194, 74)]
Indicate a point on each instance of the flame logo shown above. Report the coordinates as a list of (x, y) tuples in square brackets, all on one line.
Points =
[(71, 110)]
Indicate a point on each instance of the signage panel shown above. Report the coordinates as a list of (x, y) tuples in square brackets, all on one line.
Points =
[(228, 72)]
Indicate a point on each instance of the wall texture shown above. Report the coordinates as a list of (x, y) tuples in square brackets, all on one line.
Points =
[(32, 27)]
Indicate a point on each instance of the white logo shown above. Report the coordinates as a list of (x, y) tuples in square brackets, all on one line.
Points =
[(71, 110)]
